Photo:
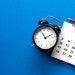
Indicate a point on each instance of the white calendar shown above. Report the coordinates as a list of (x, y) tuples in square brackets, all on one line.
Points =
[(65, 48)]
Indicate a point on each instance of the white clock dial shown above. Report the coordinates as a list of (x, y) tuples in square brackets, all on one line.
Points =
[(45, 37)]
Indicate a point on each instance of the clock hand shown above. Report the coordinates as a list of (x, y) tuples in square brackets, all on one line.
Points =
[(48, 35), (43, 35)]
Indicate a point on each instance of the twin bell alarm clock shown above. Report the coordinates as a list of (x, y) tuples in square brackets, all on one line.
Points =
[(45, 36)]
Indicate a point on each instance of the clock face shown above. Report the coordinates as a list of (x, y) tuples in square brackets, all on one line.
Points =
[(45, 37)]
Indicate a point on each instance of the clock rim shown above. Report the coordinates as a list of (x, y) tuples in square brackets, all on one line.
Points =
[(38, 46)]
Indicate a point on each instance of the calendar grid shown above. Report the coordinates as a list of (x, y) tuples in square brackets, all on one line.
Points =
[(65, 48)]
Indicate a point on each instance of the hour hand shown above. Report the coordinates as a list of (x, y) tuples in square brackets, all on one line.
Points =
[(43, 35)]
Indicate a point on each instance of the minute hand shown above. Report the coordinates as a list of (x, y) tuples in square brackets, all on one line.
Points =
[(48, 36)]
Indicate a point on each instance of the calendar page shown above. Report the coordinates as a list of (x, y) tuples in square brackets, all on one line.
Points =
[(65, 48)]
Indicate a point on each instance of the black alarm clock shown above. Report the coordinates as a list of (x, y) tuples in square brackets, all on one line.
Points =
[(45, 36)]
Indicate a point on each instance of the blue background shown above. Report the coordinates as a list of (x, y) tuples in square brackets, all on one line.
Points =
[(18, 20)]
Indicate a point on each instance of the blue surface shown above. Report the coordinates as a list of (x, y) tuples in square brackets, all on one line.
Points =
[(18, 19)]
